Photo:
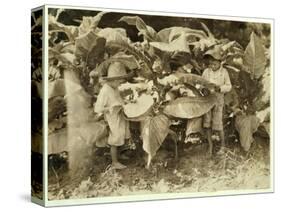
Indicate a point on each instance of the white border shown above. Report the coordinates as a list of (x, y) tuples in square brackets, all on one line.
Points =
[(152, 196), (45, 103)]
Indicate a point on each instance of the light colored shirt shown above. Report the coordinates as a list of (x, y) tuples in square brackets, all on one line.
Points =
[(219, 78), (107, 99)]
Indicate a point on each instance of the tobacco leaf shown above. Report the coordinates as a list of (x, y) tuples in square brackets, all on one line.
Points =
[(147, 31), (154, 131), (254, 57), (262, 99), (169, 34), (177, 45), (190, 107), (142, 105), (90, 47), (246, 125), (194, 79), (89, 23)]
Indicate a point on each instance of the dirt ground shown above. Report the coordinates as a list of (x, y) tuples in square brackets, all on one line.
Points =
[(193, 172)]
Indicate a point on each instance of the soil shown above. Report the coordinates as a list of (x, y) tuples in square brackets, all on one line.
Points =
[(194, 171)]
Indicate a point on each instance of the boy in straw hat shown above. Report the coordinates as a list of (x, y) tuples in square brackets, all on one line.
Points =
[(213, 120), (109, 103)]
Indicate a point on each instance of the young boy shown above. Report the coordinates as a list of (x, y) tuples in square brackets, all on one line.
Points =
[(213, 120), (109, 103)]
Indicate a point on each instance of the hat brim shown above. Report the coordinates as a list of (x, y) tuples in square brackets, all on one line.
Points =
[(126, 76), (214, 57)]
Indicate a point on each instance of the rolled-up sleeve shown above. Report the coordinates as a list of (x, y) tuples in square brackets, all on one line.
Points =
[(226, 87)]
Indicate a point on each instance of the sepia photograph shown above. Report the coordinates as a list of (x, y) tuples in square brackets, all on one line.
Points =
[(142, 103)]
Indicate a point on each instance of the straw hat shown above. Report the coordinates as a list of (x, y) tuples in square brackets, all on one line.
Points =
[(116, 70), (215, 52)]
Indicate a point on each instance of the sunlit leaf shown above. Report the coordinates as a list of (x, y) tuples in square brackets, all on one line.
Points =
[(190, 107), (147, 31), (155, 130), (262, 100), (194, 80), (140, 108), (90, 48), (89, 23), (254, 57), (246, 125), (169, 34), (177, 45)]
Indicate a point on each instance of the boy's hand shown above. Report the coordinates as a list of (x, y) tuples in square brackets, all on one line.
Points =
[(217, 89), (205, 92)]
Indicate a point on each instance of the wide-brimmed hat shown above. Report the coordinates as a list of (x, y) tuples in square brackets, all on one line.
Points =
[(216, 52), (115, 71)]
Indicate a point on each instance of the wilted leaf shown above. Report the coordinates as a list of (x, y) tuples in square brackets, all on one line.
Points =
[(246, 125), (177, 45), (205, 42), (89, 23), (190, 107), (154, 132), (113, 34), (147, 31), (169, 34), (254, 56), (90, 48), (70, 31), (140, 108), (122, 43)]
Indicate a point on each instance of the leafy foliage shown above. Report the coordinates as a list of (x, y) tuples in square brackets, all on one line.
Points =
[(190, 107), (167, 65), (154, 132), (254, 57), (246, 126)]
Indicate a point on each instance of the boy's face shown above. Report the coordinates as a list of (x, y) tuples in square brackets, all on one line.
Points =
[(116, 83), (214, 64)]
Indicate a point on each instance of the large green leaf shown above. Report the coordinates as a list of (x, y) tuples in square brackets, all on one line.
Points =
[(190, 107), (155, 130), (254, 57)]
